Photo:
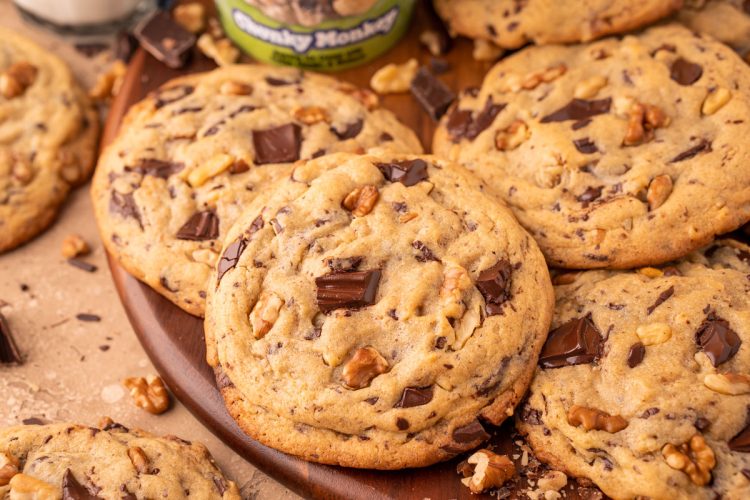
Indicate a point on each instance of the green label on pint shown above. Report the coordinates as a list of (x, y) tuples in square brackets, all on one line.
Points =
[(323, 35)]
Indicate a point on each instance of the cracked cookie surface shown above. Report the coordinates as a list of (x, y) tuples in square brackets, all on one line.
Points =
[(373, 310), (74, 461), (191, 156), (619, 153), (48, 133), (644, 382)]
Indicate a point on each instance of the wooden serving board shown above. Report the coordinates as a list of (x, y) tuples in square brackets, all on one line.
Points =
[(174, 339)]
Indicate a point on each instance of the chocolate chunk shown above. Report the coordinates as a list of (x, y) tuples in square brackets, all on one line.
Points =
[(702, 146), (84, 266), (717, 339), (660, 299), (576, 342), (156, 168), (354, 289), (350, 132), (741, 442), (402, 424), (230, 257), (685, 72), (125, 45), (439, 66), (636, 354), (494, 284), (591, 194), (470, 433), (585, 146), (34, 421), (278, 82), (162, 97), (9, 353), (344, 264), (415, 396), (277, 145), (433, 95), (164, 39), (239, 167), (649, 412), (124, 204), (73, 490), (200, 226), (425, 254), (91, 318), (407, 172), (579, 109), (531, 415), (461, 123)]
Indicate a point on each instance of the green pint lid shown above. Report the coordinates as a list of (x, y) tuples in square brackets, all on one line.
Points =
[(320, 35)]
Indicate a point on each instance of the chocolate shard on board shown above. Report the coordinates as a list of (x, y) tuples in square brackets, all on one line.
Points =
[(636, 354), (200, 226), (9, 353), (73, 490), (576, 342), (433, 95), (685, 72), (494, 284), (338, 290), (277, 145), (741, 442), (407, 172), (579, 109), (415, 396), (717, 339), (156, 168), (164, 39), (462, 124), (351, 131)]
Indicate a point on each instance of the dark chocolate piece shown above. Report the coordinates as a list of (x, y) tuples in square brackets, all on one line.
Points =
[(591, 194), (344, 264), (9, 352), (433, 95), (576, 342), (351, 131), (73, 490), (354, 289), (470, 433), (84, 266), (717, 339), (585, 146), (702, 146), (636, 354), (579, 109), (663, 296), (277, 82), (200, 226), (741, 442), (461, 123), (91, 318), (425, 254), (407, 172), (124, 204), (156, 168), (164, 39), (230, 257), (685, 72), (277, 145), (402, 424), (415, 396), (439, 66), (494, 284)]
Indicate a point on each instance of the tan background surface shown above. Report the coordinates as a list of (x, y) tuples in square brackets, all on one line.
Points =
[(68, 374)]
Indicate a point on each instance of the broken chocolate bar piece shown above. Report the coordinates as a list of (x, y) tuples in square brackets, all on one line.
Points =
[(350, 290), (434, 96), (165, 39), (8, 351)]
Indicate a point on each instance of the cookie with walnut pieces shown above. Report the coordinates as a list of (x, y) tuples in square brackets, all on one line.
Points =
[(619, 153), (643, 385), (377, 311), (728, 21), (48, 136), (512, 23), (74, 461), (193, 154)]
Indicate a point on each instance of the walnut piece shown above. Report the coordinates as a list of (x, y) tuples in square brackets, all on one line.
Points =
[(394, 78), (148, 393), (532, 80), (23, 486), (138, 459), (366, 97), (233, 87), (109, 82), (221, 50), (191, 16), (361, 201), (17, 78), (651, 272), (455, 281), (265, 313), (658, 191), (695, 458), (8, 468), (310, 115), (588, 88), (643, 120), (73, 246), (490, 470), (654, 333), (213, 167), (731, 384), (715, 100), (591, 418), (512, 137), (364, 365), (553, 480)]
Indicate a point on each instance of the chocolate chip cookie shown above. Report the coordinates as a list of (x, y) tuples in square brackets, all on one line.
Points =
[(376, 311), (643, 385), (74, 461), (192, 155), (726, 20), (48, 134), (619, 153), (512, 23)]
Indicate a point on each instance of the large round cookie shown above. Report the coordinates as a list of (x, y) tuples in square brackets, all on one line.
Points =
[(48, 133), (619, 153), (512, 23), (191, 156), (373, 309), (664, 354), (726, 20), (73, 461)]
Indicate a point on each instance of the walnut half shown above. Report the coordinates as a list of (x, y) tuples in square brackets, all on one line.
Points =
[(695, 458), (364, 365), (361, 201), (485, 469), (8, 468), (148, 393), (591, 418)]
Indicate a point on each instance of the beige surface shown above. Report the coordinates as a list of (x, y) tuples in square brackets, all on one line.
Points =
[(66, 374)]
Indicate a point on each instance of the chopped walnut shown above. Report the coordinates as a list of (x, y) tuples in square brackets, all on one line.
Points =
[(17, 78), (643, 120), (658, 191), (233, 87), (394, 78), (221, 50), (148, 393), (489, 471), (512, 137), (211, 168), (191, 16), (433, 41), (455, 282), (403, 218), (654, 333), (366, 97), (588, 88), (73, 246), (715, 100), (695, 458), (731, 384), (265, 313), (139, 459), (553, 480), (361, 201), (364, 365), (532, 80), (591, 418), (109, 82), (310, 115), (23, 486), (8, 468), (651, 272), (485, 50), (205, 256)]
